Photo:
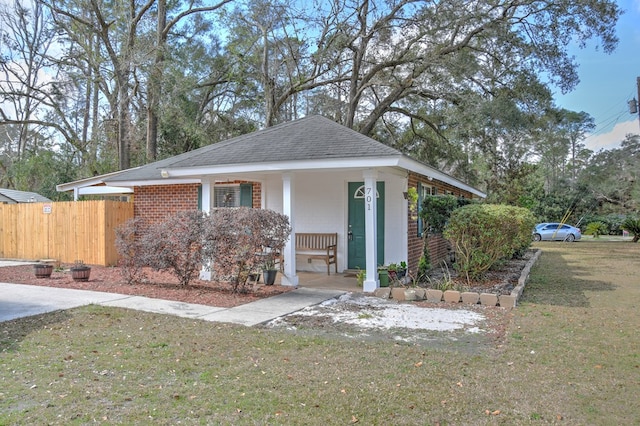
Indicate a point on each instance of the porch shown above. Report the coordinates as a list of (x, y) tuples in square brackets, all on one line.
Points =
[(346, 281)]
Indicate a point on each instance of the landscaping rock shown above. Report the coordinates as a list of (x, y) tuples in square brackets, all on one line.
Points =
[(507, 301), (410, 294), (452, 296), (434, 295), (470, 297), (397, 293), (489, 299), (382, 292)]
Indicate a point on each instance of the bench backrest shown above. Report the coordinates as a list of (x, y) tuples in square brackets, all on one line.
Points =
[(315, 241)]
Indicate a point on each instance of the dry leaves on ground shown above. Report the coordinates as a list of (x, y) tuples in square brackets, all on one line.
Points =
[(159, 285)]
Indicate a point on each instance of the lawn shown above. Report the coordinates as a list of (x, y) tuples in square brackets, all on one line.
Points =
[(571, 355)]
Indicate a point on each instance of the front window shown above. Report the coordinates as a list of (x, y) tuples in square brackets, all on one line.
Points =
[(226, 196)]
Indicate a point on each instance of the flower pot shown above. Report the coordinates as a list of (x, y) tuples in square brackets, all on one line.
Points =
[(383, 276), (270, 276), (81, 273), (43, 270)]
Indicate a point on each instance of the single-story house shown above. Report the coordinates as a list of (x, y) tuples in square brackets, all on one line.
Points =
[(11, 196), (325, 177)]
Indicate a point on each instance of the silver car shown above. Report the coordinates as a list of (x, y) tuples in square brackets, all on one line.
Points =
[(556, 232)]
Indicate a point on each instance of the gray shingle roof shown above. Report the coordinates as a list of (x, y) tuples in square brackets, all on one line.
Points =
[(311, 138)]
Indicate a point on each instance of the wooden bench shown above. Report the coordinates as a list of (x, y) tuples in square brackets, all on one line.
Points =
[(319, 246)]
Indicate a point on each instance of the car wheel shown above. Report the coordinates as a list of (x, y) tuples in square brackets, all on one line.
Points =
[(537, 237), (570, 238)]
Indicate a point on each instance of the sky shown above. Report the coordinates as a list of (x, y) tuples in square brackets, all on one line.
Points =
[(608, 82)]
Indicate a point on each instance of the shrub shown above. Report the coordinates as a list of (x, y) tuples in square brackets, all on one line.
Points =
[(237, 240), (633, 226), (129, 247), (176, 245), (483, 234), (596, 229), (436, 211)]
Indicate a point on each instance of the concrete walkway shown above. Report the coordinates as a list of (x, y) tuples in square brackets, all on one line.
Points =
[(19, 300)]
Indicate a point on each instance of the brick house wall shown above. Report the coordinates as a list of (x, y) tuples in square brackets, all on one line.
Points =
[(439, 248), (155, 203)]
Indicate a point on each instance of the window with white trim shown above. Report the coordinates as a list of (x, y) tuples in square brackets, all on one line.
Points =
[(226, 196)]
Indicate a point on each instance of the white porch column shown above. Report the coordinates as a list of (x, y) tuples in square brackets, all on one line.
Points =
[(371, 240), (205, 272), (290, 277)]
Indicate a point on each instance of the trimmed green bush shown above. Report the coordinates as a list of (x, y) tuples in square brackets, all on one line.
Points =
[(596, 229), (483, 234), (633, 226)]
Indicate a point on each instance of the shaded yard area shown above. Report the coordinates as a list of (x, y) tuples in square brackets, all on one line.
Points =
[(569, 354)]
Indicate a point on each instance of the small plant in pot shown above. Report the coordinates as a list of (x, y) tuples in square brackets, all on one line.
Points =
[(392, 268), (80, 271), (402, 269), (383, 276), (269, 271)]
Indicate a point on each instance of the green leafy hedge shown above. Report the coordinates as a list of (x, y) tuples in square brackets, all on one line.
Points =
[(483, 234), (632, 225)]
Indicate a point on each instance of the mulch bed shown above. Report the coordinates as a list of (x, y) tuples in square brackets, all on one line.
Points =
[(159, 285)]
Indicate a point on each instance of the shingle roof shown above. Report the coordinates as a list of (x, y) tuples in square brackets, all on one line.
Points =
[(311, 138), (23, 196)]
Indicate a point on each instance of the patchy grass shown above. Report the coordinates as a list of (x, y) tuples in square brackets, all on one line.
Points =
[(571, 356)]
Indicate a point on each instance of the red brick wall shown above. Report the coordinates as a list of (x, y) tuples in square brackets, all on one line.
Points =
[(439, 248), (155, 203)]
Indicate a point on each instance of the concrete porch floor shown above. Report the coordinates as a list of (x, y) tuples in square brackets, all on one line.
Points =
[(340, 281)]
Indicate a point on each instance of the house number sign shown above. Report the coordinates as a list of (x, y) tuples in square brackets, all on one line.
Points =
[(369, 198)]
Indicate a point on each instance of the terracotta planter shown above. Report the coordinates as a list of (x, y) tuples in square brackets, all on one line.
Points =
[(43, 270), (81, 273)]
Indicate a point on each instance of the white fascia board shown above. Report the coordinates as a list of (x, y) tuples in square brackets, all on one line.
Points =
[(168, 181), (417, 167), (104, 190), (339, 163), (81, 183)]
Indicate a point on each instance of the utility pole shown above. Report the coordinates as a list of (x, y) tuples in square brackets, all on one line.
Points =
[(633, 104)]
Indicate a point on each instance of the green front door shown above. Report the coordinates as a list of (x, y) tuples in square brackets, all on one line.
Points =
[(357, 250)]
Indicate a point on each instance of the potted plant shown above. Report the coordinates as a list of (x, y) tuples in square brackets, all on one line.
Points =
[(42, 270), (392, 269), (80, 271), (402, 270), (383, 276), (269, 270)]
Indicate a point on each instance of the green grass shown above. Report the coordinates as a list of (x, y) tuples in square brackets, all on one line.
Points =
[(571, 355)]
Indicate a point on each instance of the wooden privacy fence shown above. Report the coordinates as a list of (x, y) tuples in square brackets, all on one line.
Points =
[(64, 231)]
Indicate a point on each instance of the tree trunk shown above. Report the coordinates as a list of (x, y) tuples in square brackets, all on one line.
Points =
[(155, 84)]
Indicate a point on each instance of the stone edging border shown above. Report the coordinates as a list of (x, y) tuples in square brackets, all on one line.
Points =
[(467, 297)]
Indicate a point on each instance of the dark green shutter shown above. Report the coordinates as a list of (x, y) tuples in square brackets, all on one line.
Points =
[(200, 198), (420, 209), (246, 195)]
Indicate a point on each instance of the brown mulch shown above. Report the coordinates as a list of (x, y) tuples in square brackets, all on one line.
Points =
[(158, 285)]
